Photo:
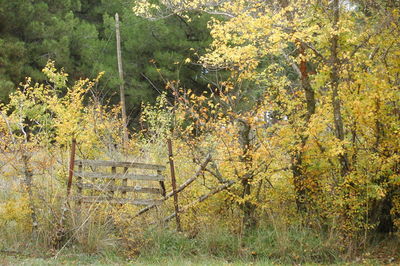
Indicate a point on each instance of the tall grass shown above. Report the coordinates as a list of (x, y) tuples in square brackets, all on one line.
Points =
[(295, 245)]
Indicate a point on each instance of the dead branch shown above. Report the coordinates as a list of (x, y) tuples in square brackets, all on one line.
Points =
[(181, 187), (200, 199)]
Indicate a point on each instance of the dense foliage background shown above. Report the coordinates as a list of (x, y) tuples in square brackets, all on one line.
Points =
[(295, 105)]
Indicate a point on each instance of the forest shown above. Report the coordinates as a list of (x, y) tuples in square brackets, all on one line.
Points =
[(203, 132)]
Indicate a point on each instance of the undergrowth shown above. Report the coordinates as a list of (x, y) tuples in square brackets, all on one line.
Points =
[(297, 245)]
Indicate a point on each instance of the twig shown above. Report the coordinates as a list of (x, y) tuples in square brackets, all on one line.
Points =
[(181, 187), (200, 199)]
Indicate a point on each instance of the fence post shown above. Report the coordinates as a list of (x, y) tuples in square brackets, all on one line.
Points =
[(79, 183), (173, 181), (125, 182), (112, 181), (60, 233), (71, 166), (162, 185)]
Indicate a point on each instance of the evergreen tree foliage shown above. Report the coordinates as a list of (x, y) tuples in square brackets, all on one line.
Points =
[(79, 35)]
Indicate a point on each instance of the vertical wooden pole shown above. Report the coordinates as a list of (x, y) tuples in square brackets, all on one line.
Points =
[(162, 185), (112, 181), (121, 77), (173, 181), (71, 166), (124, 182), (28, 183), (79, 182), (60, 234)]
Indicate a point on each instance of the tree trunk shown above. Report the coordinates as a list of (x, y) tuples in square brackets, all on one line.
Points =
[(380, 213), (249, 220), (335, 64), (297, 159), (28, 183)]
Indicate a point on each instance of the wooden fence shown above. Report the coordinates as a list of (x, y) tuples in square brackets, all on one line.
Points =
[(114, 186), (100, 181)]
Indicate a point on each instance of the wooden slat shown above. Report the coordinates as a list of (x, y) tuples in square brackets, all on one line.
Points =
[(119, 176), (95, 163), (103, 187), (99, 199)]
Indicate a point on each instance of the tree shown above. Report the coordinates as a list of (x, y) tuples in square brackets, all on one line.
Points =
[(318, 63)]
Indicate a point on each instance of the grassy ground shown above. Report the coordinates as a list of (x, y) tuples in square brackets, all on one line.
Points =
[(96, 260), (212, 245), (6, 259), (174, 249)]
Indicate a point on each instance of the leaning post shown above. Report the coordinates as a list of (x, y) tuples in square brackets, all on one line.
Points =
[(71, 166), (173, 182)]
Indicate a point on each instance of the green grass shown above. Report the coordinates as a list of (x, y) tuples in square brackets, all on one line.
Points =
[(84, 259), (266, 245), (212, 245)]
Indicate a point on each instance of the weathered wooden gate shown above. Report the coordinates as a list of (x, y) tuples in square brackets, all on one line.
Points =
[(115, 182), (100, 181)]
